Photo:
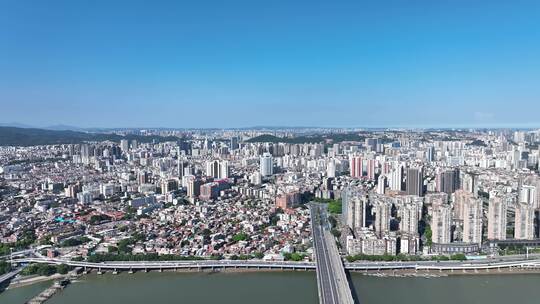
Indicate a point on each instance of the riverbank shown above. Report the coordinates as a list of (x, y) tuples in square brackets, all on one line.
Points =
[(445, 273), (25, 281)]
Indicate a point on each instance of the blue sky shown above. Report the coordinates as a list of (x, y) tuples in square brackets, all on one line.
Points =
[(251, 63)]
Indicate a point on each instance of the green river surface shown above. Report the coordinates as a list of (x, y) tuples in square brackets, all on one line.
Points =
[(282, 288)]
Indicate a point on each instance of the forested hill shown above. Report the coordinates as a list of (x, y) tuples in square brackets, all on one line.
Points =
[(13, 136), (308, 138)]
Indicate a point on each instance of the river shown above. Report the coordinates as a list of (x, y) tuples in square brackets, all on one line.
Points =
[(283, 288)]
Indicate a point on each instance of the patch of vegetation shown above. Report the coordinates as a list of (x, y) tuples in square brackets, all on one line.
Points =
[(334, 206), (242, 236), (293, 256), (44, 269), (27, 238), (428, 234)]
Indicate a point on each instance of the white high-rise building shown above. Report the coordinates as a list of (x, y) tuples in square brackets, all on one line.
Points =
[(331, 168), (354, 207), (381, 184), (382, 217), (266, 165), (472, 221), (528, 195), (441, 223), (497, 213), (217, 169), (396, 178), (223, 169), (409, 218), (524, 224), (124, 145)]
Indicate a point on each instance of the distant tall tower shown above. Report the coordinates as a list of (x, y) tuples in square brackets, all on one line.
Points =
[(381, 184), (396, 178), (415, 182), (447, 181), (430, 154), (223, 169), (234, 143), (331, 168), (356, 167), (266, 164), (371, 169), (124, 145)]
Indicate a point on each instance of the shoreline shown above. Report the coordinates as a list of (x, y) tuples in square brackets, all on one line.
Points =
[(22, 282), (380, 273)]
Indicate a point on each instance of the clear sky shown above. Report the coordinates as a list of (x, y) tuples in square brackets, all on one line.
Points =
[(279, 63)]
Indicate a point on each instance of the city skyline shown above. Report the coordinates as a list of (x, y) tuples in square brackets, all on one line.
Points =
[(244, 64)]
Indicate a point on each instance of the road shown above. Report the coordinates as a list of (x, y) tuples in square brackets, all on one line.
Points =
[(286, 265), (9, 275), (331, 279)]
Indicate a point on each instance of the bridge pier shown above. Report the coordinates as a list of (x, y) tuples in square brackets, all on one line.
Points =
[(99, 271), (130, 270), (115, 271)]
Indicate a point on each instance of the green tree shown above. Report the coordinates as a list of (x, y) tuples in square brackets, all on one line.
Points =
[(242, 236), (428, 234), (62, 269)]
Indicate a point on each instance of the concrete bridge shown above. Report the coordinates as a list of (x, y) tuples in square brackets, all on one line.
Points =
[(331, 278), (285, 265)]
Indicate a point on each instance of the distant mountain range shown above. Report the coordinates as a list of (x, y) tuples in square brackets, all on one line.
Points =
[(16, 136), (59, 127)]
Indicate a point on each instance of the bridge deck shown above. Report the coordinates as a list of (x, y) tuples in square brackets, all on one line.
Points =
[(331, 279)]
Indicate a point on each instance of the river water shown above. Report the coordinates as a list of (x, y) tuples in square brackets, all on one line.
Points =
[(283, 288)]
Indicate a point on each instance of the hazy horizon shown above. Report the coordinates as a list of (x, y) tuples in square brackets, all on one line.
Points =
[(72, 127)]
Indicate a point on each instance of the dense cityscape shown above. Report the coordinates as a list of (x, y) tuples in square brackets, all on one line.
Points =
[(225, 195)]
